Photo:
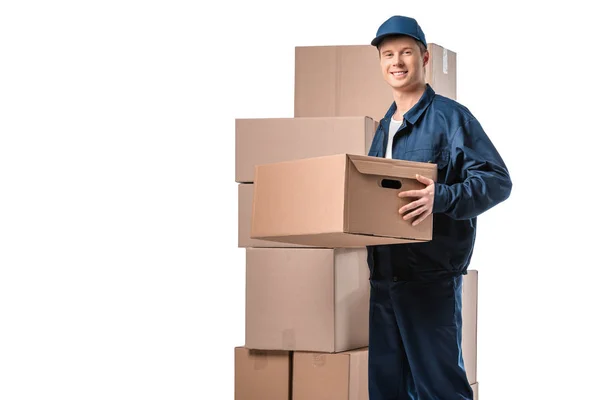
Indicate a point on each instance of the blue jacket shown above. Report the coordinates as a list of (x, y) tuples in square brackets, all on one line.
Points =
[(472, 178)]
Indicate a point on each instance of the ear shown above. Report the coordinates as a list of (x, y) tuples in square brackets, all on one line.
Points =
[(425, 58)]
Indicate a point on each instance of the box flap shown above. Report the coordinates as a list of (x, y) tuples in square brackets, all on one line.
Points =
[(392, 168)]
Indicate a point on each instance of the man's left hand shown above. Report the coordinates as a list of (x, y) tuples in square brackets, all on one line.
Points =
[(422, 206)]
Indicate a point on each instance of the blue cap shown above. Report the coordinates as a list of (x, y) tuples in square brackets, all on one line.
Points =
[(399, 25)]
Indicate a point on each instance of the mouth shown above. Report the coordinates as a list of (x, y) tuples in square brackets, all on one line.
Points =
[(399, 74)]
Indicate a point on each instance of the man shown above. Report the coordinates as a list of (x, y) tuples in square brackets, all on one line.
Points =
[(416, 305)]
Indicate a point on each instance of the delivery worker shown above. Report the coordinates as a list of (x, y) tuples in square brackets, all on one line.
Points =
[(415, 304)]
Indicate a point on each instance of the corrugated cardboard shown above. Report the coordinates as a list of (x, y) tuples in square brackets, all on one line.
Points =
[(339, 376), (469, 316), (337, 201), (307, 299), (347, 80), (262, 375), (245, 195), (269, 140)]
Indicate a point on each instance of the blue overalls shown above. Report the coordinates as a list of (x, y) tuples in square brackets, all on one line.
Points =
[(415, 305)]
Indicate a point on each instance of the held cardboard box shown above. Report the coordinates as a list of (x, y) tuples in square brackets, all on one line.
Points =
[(245, 194), (338, 376), (262, 375), (347, 80), (336, 201), (269, 140), (307, 299)]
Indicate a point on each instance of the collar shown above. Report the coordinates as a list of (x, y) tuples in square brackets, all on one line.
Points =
[(415, 112)]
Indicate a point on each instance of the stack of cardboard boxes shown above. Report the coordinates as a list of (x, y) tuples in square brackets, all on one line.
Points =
[(307, 289)]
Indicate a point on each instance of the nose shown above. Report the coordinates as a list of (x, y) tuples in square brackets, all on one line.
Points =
[(397, 60)]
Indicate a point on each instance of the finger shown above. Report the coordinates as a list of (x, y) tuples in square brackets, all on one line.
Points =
[(424, 179), (412, 205), (421, 218), (415, 213), (412, 193)]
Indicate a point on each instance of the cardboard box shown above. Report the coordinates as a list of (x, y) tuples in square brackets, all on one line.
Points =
[(307, 299), (347, 80), (469, 316), (337, 201), (269, 140), (245, 195), (339, 376), (262, 375)]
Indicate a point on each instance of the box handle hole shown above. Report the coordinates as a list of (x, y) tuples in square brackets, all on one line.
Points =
[(391, 183)]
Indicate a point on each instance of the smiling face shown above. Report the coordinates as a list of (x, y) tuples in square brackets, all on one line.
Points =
[(402, 63)]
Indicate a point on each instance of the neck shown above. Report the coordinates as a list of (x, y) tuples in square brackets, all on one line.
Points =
[(406, 99)]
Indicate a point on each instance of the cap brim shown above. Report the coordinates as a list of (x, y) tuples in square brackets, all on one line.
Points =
[(375, 42)]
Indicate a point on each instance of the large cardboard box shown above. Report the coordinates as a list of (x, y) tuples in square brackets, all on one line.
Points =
[(347, 80), (307, 299), (262, 375), (339, 376), (336, 201), (269, 140), (245, 195)]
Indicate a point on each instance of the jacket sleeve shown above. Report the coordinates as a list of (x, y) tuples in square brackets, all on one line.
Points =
[(482, 178)]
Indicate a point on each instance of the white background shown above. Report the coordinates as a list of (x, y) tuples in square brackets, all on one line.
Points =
[(120, 273)]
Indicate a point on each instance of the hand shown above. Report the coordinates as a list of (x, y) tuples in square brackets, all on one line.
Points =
[(423, 205)]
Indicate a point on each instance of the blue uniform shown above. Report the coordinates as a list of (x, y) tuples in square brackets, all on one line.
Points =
[(415, 310)]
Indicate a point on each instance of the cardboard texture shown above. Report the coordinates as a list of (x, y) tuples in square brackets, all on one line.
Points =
[(245, 195), (262, 375), (307, 299), (338, 376), (469, 315), (347, 80), (337, 201), (269, 140)]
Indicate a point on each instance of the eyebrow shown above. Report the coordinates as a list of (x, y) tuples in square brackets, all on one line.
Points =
[(402, 49)]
